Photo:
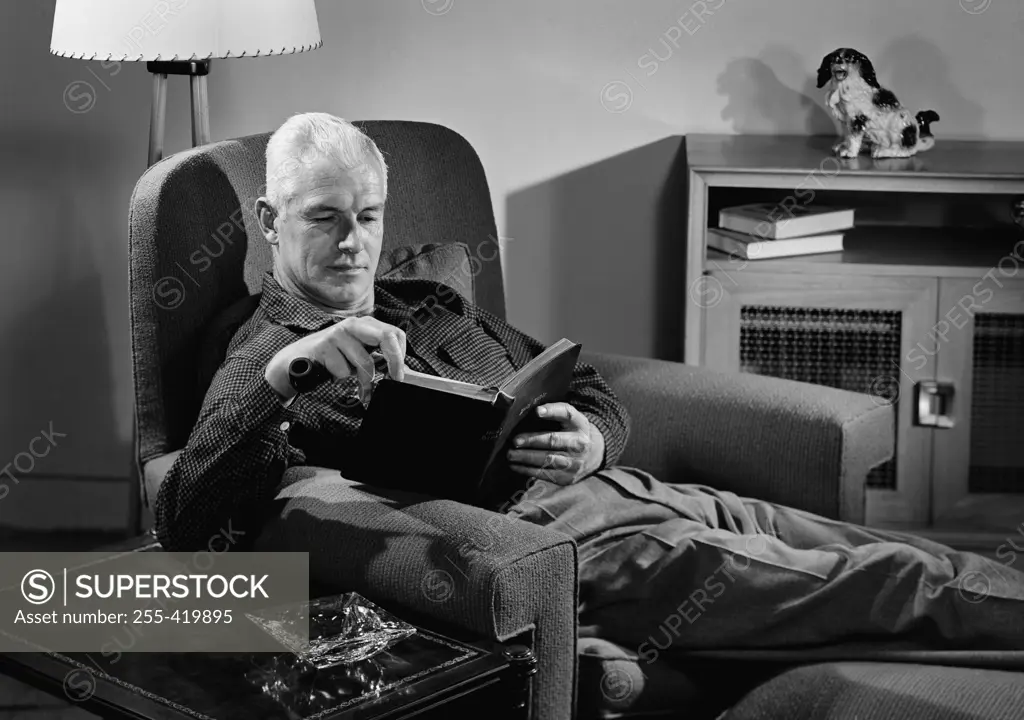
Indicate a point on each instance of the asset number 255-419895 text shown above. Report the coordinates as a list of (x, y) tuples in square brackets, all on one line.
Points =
[(183, 617)]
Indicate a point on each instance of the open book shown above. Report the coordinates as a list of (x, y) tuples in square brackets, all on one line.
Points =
[(449, 438)]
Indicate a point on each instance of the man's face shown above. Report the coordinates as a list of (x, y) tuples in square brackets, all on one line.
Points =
[(329, 235)]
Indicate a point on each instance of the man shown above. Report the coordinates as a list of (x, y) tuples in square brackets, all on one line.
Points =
[(743, 573)]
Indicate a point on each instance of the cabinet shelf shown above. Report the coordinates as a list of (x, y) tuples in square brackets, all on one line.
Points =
[(900, 250)]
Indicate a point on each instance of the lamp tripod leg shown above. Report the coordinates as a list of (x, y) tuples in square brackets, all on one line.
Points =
[(200, 110), (156, 118)]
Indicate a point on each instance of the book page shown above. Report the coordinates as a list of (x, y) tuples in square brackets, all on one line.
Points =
[(446, 385)]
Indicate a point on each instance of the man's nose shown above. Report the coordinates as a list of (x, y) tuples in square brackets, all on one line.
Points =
[(349, 237)]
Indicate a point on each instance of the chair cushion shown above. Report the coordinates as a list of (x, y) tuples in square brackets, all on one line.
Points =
[(615, 683), (443, 263), (870, 691)]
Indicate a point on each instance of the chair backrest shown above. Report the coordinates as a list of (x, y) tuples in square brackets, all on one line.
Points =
[(195, 249)]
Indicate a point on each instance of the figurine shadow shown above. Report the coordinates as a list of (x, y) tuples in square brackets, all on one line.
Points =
[(759, 103), (917, 71)]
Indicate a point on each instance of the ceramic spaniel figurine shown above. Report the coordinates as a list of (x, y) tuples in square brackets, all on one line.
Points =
[(868, 114)]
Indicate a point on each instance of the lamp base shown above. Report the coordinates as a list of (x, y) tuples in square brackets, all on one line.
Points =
[(196, 70)]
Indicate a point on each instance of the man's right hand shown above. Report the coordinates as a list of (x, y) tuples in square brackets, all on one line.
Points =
[(342, 350)]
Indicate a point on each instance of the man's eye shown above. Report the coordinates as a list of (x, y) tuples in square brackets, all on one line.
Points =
[(323, 218), (368, 219)]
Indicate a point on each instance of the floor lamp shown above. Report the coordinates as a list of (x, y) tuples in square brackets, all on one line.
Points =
[(180, 38)]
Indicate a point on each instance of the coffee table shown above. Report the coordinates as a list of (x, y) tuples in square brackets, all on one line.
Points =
[(426, 675)]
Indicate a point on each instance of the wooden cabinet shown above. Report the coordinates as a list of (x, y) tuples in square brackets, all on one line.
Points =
[(923, 310)]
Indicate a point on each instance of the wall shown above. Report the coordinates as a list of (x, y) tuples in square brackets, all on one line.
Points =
[(576, 120)]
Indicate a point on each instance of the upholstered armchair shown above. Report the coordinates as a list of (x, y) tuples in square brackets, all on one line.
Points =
[(196, 255)]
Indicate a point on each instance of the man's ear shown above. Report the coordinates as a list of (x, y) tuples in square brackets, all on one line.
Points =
[(266, 216)]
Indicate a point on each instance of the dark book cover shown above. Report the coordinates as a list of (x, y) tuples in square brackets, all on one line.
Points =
[(452, 443)]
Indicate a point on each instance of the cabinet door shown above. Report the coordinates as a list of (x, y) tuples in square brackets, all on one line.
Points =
[(979, 461), (843, 331)]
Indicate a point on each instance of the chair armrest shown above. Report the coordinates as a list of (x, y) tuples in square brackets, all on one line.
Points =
[(471, 568), (792, 443)]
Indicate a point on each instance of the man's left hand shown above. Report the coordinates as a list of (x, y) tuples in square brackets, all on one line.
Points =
[(562, 456)]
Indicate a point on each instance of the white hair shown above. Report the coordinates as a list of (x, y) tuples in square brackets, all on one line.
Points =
[(304, 138)]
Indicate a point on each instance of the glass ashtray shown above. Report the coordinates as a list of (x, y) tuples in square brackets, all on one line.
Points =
[(343, 629)]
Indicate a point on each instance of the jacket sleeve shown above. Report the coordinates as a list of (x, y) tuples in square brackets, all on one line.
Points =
[(233, 462), (589, 392)]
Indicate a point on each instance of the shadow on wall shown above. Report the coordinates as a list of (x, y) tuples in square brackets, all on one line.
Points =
[(600, 250), (58, 367), (757, 102), (916, 70)]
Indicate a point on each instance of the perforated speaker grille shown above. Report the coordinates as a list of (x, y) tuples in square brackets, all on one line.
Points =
[(997, 417), (849, 349)]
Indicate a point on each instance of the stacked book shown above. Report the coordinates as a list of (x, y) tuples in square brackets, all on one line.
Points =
[(769, 230)]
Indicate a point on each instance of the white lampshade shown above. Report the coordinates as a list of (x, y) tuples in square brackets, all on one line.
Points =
[(168, 30)]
